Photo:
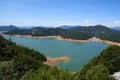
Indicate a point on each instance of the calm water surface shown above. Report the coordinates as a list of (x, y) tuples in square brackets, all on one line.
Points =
[(79, 53)]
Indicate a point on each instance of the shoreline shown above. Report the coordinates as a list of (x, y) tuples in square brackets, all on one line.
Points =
[(54, 61), (68, 39)]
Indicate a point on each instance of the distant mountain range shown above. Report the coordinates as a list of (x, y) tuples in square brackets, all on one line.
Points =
[(25, 27), (11, 27), (67, 27), (116, 28), (80, 32), (7, 28)]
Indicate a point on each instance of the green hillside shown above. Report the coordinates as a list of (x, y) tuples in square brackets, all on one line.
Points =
[(102, 66)]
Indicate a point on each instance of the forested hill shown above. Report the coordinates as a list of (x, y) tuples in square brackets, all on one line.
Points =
[(16, 60), (80, 32), (7, 28)]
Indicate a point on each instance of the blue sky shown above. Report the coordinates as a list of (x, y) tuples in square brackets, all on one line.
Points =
[(59, 12)]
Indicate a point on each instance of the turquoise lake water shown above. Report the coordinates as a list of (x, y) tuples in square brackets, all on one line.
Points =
[(78, 52)]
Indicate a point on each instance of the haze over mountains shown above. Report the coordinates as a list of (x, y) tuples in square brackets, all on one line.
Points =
[(11, 27), (116, 28)]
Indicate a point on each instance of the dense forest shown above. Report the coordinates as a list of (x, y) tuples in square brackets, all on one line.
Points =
[(20, 63), (80, 32)]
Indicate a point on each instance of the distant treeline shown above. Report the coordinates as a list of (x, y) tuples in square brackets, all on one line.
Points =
[(80, 32)]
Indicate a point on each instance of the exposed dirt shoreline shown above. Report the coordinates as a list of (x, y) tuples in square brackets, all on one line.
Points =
[(54, 61), (68, 39)]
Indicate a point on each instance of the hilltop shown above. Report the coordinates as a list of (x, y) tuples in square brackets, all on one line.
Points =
[(7, 28)]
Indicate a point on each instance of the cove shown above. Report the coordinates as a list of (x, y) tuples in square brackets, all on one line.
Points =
[(78, 52)]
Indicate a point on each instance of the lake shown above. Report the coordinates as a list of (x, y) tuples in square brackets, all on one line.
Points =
[(78, 52)]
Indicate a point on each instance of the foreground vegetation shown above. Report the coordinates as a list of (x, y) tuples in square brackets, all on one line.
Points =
[(104, 65), (20, 63)]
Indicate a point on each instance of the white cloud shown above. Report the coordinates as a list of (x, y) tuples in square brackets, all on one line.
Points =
[(117, 22), (87, 21), (111, 23)]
